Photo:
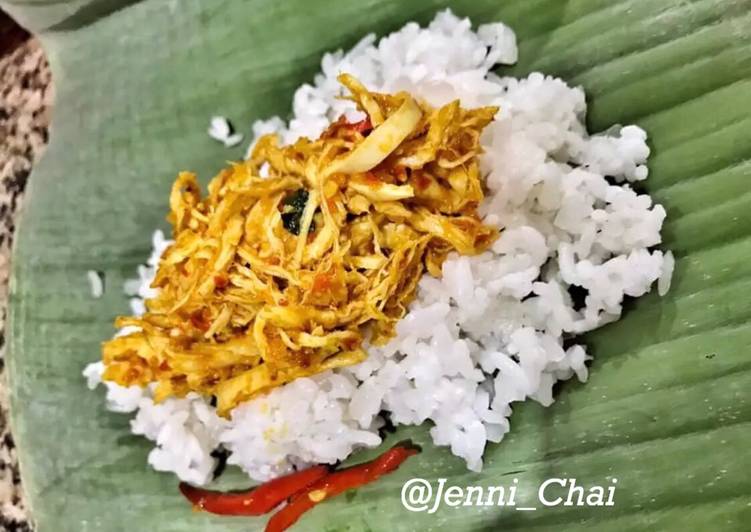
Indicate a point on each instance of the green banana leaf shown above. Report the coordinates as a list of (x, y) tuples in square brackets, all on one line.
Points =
[(667, 410)]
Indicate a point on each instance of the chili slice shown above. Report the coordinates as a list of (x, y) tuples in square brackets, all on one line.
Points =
[(256, 501), (336, 483)]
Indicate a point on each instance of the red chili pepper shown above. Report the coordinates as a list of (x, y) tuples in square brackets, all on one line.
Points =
[(362, 126), (256, 501), (336, 483)]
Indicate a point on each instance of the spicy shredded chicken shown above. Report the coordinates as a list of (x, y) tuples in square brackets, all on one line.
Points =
[(278, 277)]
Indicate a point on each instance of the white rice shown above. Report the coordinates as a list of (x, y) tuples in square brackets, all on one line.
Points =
[(489, 332), (221, 130), (96, 283)]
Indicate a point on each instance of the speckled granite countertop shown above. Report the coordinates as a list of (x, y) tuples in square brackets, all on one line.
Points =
[(25, 98)]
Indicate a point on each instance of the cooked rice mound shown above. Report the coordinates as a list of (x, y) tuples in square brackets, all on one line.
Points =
[(279, 277), (496, 328)]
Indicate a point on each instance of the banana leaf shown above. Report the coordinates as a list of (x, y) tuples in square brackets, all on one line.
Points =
[(667, 410)]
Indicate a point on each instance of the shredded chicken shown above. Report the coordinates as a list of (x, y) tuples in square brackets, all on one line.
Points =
[(278, 277)]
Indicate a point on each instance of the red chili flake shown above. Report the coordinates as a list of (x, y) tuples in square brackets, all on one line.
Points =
[(351, 343), (221, 281), (400, 173), (372, 179), (422, 181), (321, 282), (331, 204), (200, 319), (363, 126)]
